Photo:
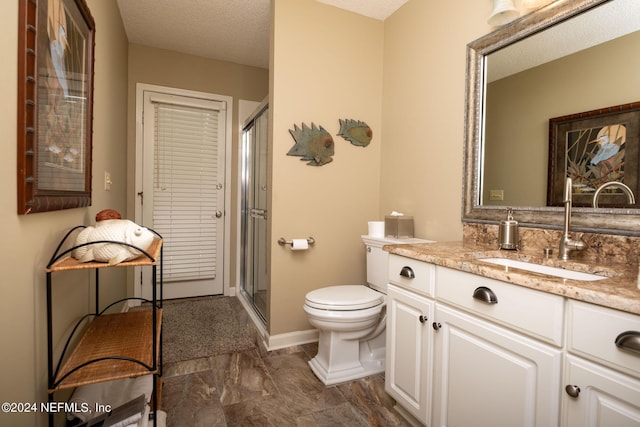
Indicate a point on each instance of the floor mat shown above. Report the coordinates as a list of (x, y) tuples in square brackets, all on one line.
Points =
[(203, 327)]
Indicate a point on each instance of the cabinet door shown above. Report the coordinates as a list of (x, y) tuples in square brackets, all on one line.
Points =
[(605, 397), (409, 351), (488, 376)]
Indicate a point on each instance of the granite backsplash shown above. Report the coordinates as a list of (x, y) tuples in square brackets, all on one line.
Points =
[(600, 247)]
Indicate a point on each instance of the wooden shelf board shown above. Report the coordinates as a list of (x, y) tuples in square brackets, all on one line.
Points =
[(122, 335)]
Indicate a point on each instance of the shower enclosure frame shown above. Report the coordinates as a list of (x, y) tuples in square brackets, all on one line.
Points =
[(254, 219)]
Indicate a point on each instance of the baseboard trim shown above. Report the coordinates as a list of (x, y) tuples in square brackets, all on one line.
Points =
[(276, 342), (291, 339)]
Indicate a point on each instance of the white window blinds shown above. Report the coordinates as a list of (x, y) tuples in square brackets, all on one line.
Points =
[(185, 193)]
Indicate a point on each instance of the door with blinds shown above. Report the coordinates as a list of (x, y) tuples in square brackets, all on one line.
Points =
[(182, 197)]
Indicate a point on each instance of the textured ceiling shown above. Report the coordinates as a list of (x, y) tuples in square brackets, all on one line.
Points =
[(235, 31), (604, 23), (377, 9)]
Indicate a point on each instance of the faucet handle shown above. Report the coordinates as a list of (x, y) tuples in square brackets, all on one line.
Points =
[(579, 244)]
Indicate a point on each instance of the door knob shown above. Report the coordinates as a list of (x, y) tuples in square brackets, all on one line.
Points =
[(436, 326), (218, 214), (572, 390), (422, 318)]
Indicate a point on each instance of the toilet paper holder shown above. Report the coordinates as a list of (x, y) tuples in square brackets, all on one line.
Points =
[(282, 241)]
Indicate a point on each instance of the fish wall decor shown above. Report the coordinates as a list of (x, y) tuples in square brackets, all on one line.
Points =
[(313, 143), (355, 131)]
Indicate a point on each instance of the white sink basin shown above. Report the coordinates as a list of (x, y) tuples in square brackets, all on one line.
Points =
[(543, 269)]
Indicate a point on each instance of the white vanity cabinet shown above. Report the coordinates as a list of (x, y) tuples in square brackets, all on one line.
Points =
[(409, 359), (601, 378), (486, 374), (467, 350), (410, 310)]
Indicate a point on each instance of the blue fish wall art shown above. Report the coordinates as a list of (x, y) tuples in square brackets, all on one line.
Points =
[(357, 132), (314, 144)]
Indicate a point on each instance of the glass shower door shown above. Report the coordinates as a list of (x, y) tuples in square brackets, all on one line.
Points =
[(255, 197)]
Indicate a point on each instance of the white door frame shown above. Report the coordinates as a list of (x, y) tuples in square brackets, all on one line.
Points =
[(140, 89)]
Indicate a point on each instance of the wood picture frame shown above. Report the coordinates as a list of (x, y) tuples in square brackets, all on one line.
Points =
[(55, 104), (592, 148)]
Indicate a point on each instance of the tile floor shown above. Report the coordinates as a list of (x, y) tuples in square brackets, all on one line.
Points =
[(256, 388)]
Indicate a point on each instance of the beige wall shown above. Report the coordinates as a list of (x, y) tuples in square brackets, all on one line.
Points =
[(28, 241), (423, 111), (327, 65), (171, 69), (407, 80), (518, 129)]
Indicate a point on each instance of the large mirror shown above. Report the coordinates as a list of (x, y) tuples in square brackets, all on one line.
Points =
[(562, 63)]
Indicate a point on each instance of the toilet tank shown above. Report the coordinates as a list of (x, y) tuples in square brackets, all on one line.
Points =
[(378, 259)]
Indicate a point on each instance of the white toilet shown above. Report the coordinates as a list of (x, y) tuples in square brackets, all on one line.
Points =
[(351, 320)]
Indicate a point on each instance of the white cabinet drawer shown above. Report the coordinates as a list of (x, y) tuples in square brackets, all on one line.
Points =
[(538, 314), (417, 276), (592, 333)]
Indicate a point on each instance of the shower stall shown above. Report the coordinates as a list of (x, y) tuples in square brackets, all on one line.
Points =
[(255, 192)]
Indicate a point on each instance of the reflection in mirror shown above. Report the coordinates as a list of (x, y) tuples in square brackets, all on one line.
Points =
[(529, 72), (595, 148)]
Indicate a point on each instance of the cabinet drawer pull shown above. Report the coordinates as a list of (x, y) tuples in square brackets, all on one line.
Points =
[(485, 294), (629, 340), (422, 318), (572, 390), (407, 272)]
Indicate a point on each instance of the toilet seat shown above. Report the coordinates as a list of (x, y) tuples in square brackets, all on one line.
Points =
[(344, 298)]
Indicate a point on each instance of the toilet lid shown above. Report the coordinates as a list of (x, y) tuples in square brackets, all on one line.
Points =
[(346, 297)]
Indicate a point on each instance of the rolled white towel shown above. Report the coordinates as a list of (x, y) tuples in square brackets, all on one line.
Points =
[(112, 393)]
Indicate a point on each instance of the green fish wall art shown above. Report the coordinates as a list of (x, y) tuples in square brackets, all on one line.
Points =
[(314, 144), (356, 132)]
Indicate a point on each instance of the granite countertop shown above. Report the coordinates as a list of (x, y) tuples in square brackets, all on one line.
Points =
[(619, 290)]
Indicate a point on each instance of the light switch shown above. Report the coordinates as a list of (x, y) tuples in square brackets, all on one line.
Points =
[(107, 181), (496, 194)]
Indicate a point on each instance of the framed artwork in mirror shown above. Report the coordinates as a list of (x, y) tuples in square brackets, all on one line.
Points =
[(594, 148), (55, 104)]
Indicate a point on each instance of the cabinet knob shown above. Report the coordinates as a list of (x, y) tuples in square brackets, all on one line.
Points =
[(572, 390), (422, 319), (436, 326), (485, 294), (629, 340), (407, 272)]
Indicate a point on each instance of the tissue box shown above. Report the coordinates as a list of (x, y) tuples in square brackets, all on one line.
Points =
[(398, 227)]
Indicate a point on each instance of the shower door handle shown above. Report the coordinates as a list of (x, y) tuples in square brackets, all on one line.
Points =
[(259, 213)]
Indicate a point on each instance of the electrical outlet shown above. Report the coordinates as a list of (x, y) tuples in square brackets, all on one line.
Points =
[(496, 194), (107, 181)]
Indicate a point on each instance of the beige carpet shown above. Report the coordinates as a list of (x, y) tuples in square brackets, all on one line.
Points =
[(203, 327)]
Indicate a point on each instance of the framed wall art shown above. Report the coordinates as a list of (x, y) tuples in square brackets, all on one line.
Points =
[(594, 148), (55, 104)]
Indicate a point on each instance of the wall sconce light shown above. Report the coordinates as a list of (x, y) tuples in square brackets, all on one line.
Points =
[(503, 12)]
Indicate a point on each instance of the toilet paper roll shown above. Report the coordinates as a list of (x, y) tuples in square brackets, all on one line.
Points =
[(376, 228), (299, 244)]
